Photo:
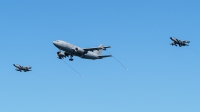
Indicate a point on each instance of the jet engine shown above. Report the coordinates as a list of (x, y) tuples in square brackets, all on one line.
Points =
[(61, 55), (79, 50)]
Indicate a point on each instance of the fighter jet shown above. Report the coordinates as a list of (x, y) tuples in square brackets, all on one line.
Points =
[(21, 68), (179, 42), (71, 50)]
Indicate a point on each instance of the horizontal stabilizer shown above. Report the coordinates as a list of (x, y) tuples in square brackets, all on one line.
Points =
[(186, 45), (97, 48), (185, 41), (104, 56)]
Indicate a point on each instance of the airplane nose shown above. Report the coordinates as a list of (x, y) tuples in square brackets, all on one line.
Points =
[(57, 43), (54, 42)]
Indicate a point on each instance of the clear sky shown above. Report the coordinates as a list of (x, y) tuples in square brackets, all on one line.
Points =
[(161, 78)]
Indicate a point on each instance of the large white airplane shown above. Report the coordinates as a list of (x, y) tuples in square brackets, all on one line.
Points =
[(72, 50)]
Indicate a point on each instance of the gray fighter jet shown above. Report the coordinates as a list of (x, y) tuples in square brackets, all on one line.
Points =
[(179, 42), (71, 50), (21, 68)]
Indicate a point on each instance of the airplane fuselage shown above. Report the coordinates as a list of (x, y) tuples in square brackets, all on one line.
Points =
[(73, 50)]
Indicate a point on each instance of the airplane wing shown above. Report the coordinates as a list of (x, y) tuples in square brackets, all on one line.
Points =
[(174, 39), (104, 56), (185, 41), (96, 48), (26, 70)]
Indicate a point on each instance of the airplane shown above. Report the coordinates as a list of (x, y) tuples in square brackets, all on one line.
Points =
[(71, 50), (21, 68), (179, 42)]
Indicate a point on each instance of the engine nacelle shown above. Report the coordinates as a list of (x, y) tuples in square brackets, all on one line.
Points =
[(79, 50), (61, 55)]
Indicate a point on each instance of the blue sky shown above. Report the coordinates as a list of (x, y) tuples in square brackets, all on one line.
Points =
[(160, 77)]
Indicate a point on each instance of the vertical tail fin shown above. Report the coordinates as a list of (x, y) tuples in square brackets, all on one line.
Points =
[(98, 52)]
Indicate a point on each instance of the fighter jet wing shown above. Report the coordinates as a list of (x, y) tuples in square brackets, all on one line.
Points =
[(96, 48), (185, 41)]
